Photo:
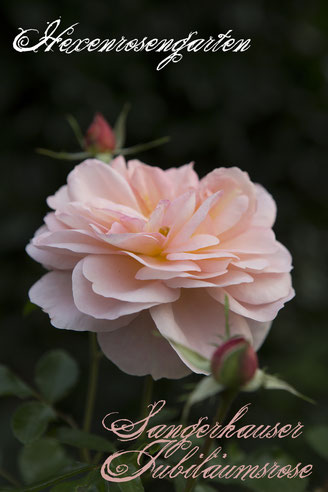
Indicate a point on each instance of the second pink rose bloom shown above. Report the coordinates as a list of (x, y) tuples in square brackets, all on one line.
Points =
[(143, 256)]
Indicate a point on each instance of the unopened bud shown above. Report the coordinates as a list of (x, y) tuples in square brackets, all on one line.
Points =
[(100, 136), (234, 363)]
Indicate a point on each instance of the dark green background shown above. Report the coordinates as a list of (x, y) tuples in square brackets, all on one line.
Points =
[(264, 110)]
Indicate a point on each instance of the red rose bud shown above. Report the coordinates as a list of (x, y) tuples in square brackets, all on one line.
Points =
[(100, 136), (234, 363)]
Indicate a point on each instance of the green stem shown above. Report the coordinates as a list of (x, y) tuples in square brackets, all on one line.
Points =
[(146, 396), (226, 399), (10, 479), (226, 315), (92, 387)]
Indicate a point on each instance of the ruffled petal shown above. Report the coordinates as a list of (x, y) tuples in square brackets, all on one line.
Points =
[(139, 349), (53, 259), (94, 179), (257, 312), (255, 240), (197, 321), (100, 307), (266, 209), (266, 288), (53, 293), (114, 276), (259, 331)]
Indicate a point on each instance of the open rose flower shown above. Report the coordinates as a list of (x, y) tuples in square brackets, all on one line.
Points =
[(143, 256)]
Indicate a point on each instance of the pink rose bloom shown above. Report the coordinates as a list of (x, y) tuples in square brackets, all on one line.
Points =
[(143, 256)]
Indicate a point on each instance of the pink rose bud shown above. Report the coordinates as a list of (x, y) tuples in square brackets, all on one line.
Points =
[(100, 136), (234, 363)]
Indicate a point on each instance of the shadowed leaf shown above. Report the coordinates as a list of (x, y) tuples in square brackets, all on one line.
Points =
[(31, 420), (56, 373), (11, 385), (81, 439)]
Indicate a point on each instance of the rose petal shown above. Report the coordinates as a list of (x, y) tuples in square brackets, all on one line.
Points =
[(266, 209), (50, 259), (60, 199), (114, 276), (266, 288), (236, 206), (53, 293), (181, 322), (199, 241), (257, 312), (160, 263), (75, 241), (259, 331), (138, 351), (147, 244), (255, 240), (223, 279), (188, 229), (100, 307), (280, 261), (182, 179), (94, 179), (178, 212)]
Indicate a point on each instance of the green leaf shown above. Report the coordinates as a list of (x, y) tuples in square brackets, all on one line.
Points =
[(42, 459), (180, 485), (70, 486), (267, 381), (206, 388), (134, 485), (74, 470), (11, 385), (56, 373), (31, 420), (272, 382), (81, 439), (164, 416), (196, 359), (317, 437), (76, 129), (29, 307), (64, 156), (120, 126), (256, 382), (203, 487), (93, 482), (142, 147)]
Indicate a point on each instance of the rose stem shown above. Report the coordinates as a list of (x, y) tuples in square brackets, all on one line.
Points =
[(7, 476), (226, 400), (146, 395), (95, 355)]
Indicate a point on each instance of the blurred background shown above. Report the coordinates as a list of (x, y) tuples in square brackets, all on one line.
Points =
[(265, 111)]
